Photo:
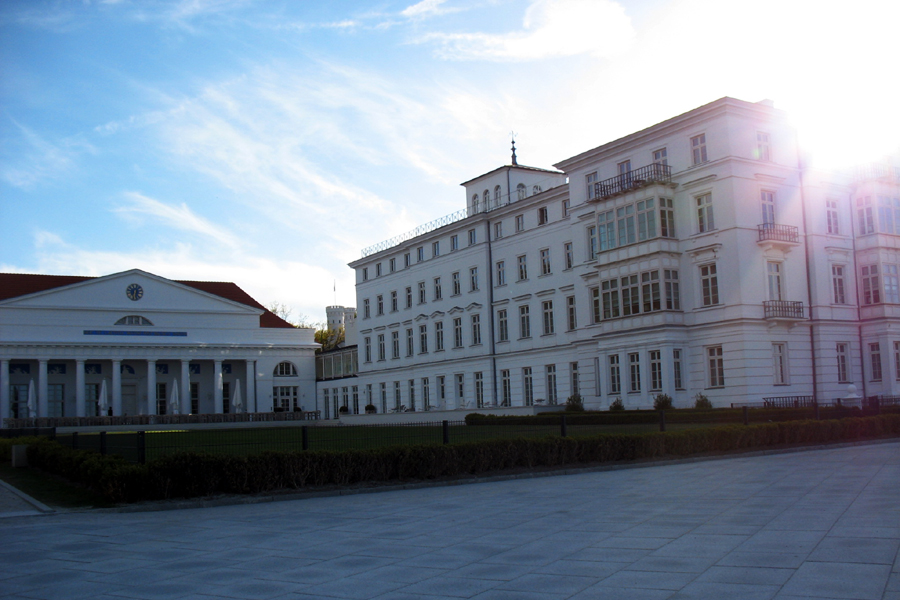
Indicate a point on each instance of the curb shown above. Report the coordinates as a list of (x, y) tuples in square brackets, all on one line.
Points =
[(38, 505)]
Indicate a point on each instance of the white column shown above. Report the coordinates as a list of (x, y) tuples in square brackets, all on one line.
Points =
[(4, 391), (151, 387), (117, 387), (251, 386), (79, 388), (218, 389), (43, 406), (185, 387)]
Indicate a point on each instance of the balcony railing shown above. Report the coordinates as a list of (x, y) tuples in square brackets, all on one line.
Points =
[(778, 233), (783, 309), (638, 178), (876, 171)]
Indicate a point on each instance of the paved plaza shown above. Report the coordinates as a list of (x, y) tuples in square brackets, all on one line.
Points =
[(811, 524)]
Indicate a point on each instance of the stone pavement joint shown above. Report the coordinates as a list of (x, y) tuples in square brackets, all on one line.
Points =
[(817, 524)]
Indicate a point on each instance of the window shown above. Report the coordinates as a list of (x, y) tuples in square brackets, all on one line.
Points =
[(524, 322), (607, 231), (565, 208), (592, 242), (476, 330), (437, 288), (698, 149), (677, 369), (773, 273), (631, 300), (865, 215), (441, 389), (365, 274), (409, 297), (426, 394), (457, 333), (547, 312), (610, 293), (896, 359), (486, 197), (767, 201), (762, 146), (889, 215), (522, 262), (435, 249), (571, 316), (407, 260), (550, 371), (595, 305), (378, 270), (837, 284), (875, 358), (646, 219), (715, 366), (673, 293), (573, 374), (705, 221), (471, 237), (590, 181), (421, 292), (134, 320), (423, 339), (497, 194), (394, 301), (460, 388), (454, 243), (543, 217), (285, 369), (412, 394), (843, 362), (521, 191), (650, 292), (457, 287), (368, 349), (779, 364), (366, 308), (666, 218), (569, 254), (438, 336), (871, 288), (393, 264), (473, 279), (397, 396), (381, 346), (498, 230), (615, 381), (501, 272), (660, 157), (479, 389), (505, 388), (891, 284), (395, 344), (475, 203), (384, 397), (832, 225), (709, 285), (625, 225), (634, 371), (420, 254), (527, 386), (520, 223), (545, 261), (379, 300), (502, 326)]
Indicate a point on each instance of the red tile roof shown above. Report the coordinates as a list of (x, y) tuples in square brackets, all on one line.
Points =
[(13, 285)]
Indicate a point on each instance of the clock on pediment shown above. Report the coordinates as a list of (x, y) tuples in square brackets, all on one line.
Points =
[(134, 292)]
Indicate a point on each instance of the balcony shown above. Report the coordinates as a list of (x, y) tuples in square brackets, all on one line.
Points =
[(877, 172), (778, 233), (632, 180), (783, 310)]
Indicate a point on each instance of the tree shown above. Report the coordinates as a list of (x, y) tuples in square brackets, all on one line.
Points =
[(284, 311), (329, 338)]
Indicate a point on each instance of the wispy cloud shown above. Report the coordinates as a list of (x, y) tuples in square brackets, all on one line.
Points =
[(176, 216), (32, 159), (550, 28), (427, 8)]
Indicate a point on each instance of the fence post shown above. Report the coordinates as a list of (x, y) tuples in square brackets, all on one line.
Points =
[(142, 447), (746, 415), (662, 420), (74, 440), (305, 435), (445, 427), (103, 443), (562, 425)]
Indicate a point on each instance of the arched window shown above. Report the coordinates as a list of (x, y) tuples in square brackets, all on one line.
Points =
[(487, 199), (520, 189), (537, 190), (285, 369), (475, 203), (497, 196), (133, 320)]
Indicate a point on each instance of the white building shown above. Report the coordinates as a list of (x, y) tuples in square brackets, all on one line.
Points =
[(142, 335), (697, 256)]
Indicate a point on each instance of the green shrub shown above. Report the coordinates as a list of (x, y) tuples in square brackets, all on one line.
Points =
[(616, 404), (574, 403), (662, 402), (701, 402)]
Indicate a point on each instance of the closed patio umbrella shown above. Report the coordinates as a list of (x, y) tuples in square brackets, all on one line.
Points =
[(173, 398), (102, 402), (32, 400), (236, 398)]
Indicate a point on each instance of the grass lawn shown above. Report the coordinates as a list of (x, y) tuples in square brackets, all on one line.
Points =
[(51, 490)]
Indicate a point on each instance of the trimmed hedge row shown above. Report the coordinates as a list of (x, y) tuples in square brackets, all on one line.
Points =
[(6, 445), (189, 474)]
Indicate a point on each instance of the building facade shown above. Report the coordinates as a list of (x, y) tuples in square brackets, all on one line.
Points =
[(135, 343), (697, 256)]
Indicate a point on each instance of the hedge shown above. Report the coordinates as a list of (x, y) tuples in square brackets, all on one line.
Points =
[(192, 474)]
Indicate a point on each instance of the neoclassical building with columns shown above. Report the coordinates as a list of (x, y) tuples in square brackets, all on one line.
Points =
[(137, 343)]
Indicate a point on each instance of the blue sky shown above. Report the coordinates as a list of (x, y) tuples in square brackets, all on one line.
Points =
[(267, 143)]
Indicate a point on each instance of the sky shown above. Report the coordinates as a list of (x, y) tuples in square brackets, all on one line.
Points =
[(268, 142)]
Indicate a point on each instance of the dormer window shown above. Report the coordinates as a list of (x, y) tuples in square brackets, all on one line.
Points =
[(133, 320)]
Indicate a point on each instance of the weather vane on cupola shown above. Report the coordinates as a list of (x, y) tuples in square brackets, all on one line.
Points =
[(512, 134)]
